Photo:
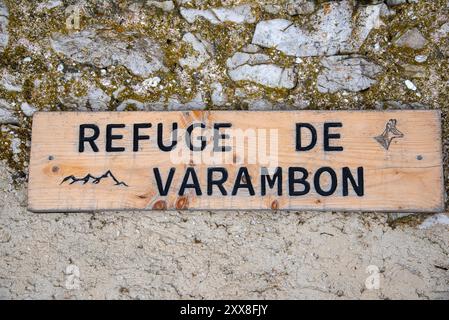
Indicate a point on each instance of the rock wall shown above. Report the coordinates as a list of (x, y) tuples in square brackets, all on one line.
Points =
[(218, 55)]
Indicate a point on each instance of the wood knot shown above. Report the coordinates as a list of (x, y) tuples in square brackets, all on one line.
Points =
[(55, 169), (275, 205), (182, 203), (160, 205)]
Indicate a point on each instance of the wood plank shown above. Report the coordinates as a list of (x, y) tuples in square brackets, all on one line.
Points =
[(398, 151)]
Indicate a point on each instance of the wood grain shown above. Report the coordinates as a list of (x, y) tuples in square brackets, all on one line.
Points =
[(406, 177)]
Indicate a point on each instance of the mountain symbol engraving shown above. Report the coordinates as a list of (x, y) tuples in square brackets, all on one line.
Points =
[(94, 180), (390, 133)]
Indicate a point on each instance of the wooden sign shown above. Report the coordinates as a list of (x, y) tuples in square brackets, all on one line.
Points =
[(311, 160)]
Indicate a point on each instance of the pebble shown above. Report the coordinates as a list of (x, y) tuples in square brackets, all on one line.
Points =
[(166, 6), (410, 85), (152, 82), (4, 22), (412, 39), (421, 59), (15, 145), (27, 109)]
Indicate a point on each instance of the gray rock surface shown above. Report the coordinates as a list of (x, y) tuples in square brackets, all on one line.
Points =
[(142, 57), (98, 99), (130, 102), (48, 5), (332, 31), (441, 38), (346, 73), (10, 82), (6, 113), (4, 21), (300, 7), (197, 103), (166, 6), (238, 14), (202, 50), (395, 2), (27, 109), (257, 68), (412, 39), (218, 96), (15, 145)]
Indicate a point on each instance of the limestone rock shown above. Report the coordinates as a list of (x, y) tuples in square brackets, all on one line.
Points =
[(395, 2), (166, 6), (27, 109), (146, 106), (48, 5), (130, 102), (386, 11), (346, 73), (5, 236), (201, 48), (15, 145), (259, 105), (399, 105), (251, 48), (147, 85), (218, 96), (299, 7), (414, 71), (98, 99), (10, 82), (333, 31), (6, 114), (197, 103), (238, 14), (412, 39), (73, 101), (257, 68), (142, 56), (4, 21), (272, 8), (441, 38), (241, 58)]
